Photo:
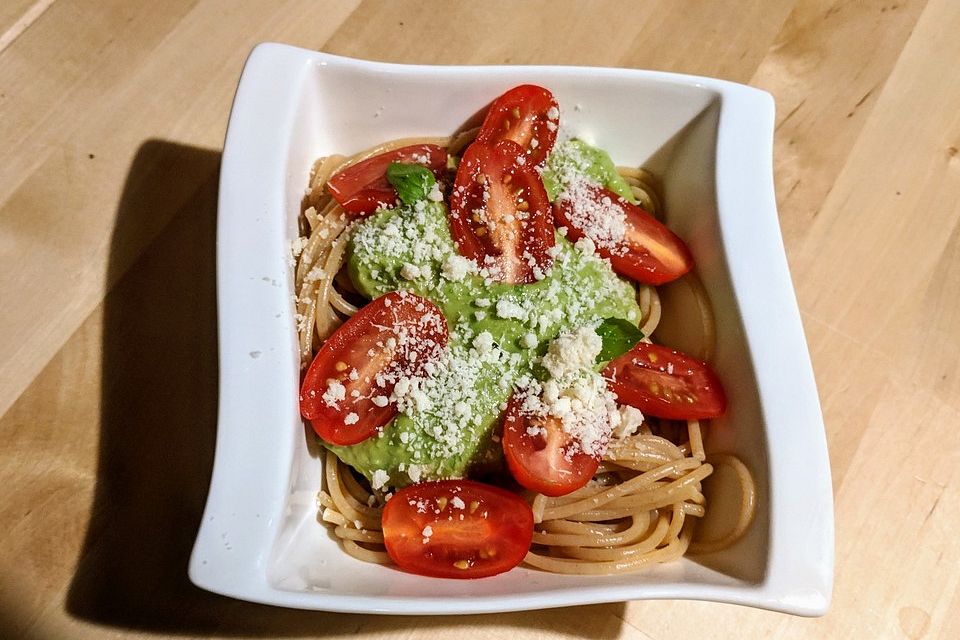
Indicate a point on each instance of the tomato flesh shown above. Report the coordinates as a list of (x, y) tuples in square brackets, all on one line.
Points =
[(457, 529), (527, 115), (362, 188), (648, 251), (346, 392), (547, 461), (500, 213), (662, 382)]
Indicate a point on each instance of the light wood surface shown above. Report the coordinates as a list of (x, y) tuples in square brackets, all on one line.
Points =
[(112, 116)]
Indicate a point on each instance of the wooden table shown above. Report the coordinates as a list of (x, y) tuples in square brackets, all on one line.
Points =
[(112, 116)]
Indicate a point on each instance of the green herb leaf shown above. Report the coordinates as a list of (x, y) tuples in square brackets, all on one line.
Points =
[(412, 181), (618, 336)]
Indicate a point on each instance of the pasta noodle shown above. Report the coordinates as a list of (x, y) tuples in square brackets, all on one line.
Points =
[(643, 503)]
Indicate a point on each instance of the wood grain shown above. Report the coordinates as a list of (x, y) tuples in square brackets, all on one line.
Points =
[(111, 119)]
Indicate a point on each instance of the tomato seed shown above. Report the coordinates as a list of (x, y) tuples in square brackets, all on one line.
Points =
[(442, 503), (516, 113), (462, 564), (523, 205), (474, 505), (340, 366)]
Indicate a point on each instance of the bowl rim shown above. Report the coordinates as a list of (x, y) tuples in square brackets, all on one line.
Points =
[(799, 576)]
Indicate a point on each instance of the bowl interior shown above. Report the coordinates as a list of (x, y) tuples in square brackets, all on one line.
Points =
[(669, 127)]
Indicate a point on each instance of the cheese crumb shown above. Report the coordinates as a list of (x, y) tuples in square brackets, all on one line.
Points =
[(586, 245), (571, 352), (483, 343), (298, 244), (529, 341), (380, 401), (456, 268), (410, 271), (510, 310), (351, 418), (415, 471), (379, 479), (335, 393), (630, 420)]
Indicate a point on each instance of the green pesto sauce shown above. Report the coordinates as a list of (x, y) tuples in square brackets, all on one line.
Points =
[(438, 440), (576, 157)]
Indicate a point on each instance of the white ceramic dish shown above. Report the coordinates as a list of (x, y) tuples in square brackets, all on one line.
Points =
[(709, 140)]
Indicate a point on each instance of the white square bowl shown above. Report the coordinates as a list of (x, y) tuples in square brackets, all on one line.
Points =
[(711, 143)]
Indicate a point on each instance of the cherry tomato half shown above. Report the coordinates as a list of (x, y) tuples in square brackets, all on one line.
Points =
[(546, 461), (457, 529), (529, 116), (346, 391), (648, 252), (363, 187), (666, 383), (500, 213)]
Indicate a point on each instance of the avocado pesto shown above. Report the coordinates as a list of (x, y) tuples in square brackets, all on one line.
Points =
[(497, 331)]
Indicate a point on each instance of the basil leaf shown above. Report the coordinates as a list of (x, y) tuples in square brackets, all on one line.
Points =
[(618, 337), (412, 181)]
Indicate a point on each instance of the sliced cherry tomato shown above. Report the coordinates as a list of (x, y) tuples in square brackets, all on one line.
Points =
[(547, 461), (666, 383), (347, 389), (646, 251), (500, 213), (457, 529), (529, 116), (362, 188)]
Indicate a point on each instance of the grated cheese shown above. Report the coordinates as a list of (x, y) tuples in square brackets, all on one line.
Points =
[(379, 479), (510, 309), (575, 395), (569, 353), (334, 394), (483, 343), (630, 420), (456, 267), (604, 222)]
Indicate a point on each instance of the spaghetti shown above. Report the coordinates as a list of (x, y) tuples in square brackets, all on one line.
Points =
[(642, 504)]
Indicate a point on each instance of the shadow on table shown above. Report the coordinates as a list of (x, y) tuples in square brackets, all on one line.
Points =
[(158, 425)]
